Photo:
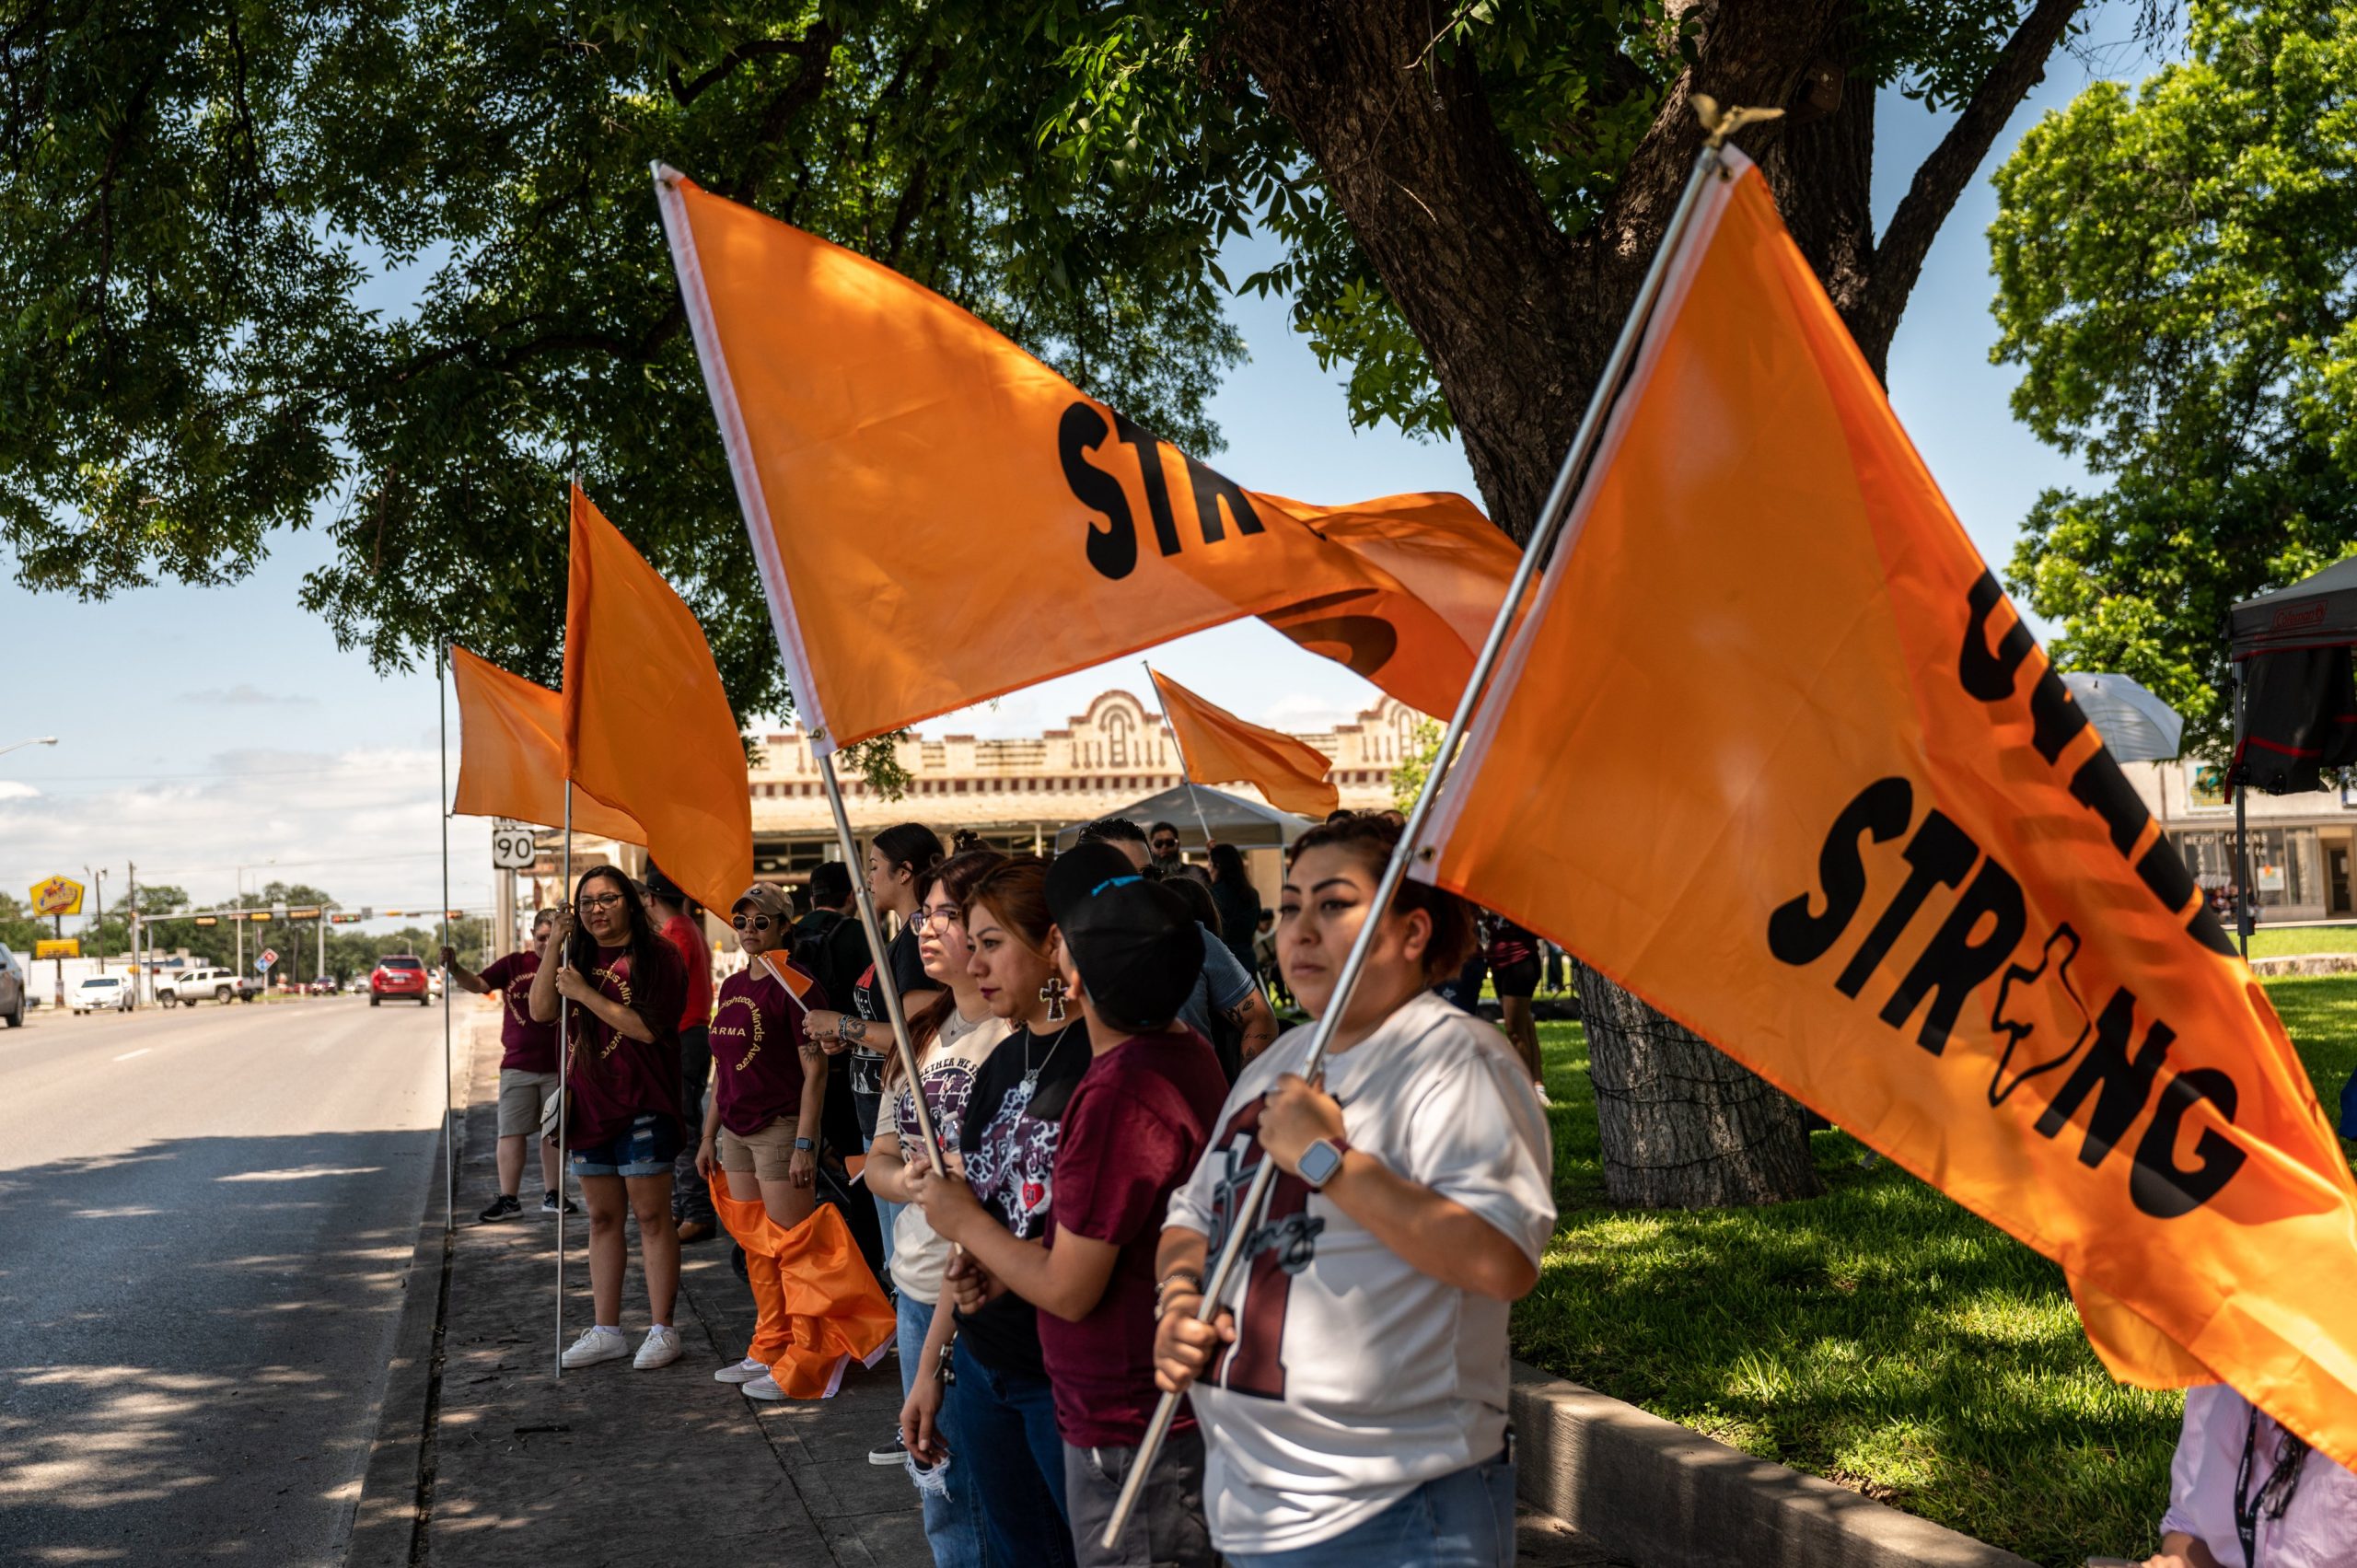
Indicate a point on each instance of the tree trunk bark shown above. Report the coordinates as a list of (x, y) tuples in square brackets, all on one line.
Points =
[(1681, 1125)]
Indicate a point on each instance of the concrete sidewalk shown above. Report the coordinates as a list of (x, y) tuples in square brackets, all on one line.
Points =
[(613, 1464)]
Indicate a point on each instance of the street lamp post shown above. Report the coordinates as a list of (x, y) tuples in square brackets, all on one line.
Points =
[(36, 740), (240, 922), (98, 917)]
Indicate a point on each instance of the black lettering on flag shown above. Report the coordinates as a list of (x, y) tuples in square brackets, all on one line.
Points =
[(2163, 870), (2161, 1187), (1988, 673), (1882, 810), (2102, 788), (1214, 490), (1157, 486), (1955, 962), (2210, 931), (2016, 1016), (2121, 1082), (2056, 717), (1937, 857), (1112, 550)]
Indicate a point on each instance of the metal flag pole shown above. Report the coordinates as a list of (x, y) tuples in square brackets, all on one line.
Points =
[(884, 985), (1245, 1218), (2245, 895), (1184, 777), (563, 1098), (450, 1135)]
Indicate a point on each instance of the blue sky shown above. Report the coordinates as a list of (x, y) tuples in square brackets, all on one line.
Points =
[(205, 728)]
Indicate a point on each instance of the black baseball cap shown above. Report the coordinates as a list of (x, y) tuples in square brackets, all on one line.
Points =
[(1138, 949)]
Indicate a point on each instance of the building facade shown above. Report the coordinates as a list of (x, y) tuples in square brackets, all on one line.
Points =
[(2303, 847)]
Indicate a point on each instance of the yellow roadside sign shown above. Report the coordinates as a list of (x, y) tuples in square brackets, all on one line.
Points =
[(59, 895), (58, 947)]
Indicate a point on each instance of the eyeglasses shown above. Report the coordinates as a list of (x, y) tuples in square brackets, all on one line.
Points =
[(943, 914), (750, 922), (600, 901)]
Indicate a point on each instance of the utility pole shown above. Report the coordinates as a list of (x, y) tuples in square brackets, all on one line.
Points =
[(99, 918), (138, 970)]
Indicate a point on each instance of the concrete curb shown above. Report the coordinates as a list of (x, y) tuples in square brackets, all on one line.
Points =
[(1651, 1491), (392, 1488)]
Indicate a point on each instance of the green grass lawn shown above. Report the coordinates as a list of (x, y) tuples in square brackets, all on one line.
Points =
[(2277, 942), (1878, 1336)]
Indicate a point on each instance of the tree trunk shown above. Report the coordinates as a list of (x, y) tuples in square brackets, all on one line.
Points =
[(1681, 1125), (1519, 318)]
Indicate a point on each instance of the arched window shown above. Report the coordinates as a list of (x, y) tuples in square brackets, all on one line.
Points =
[(1117, 737)]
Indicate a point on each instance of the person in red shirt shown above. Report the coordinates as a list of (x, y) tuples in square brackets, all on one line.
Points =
[(1129, 952), (623, 1122), (672, 910), (526, 1067), (761, 1134)]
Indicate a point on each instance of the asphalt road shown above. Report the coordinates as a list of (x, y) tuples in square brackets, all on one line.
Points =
[(206, 1214)]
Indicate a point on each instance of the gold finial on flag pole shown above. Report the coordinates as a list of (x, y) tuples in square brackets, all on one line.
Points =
[(1724, 122)]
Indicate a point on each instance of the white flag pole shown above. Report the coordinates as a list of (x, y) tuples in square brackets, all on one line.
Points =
[(563, 1100), (1245, 1218), (449, 1134)]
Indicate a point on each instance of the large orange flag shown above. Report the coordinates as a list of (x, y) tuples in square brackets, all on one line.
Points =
[(915, 483), (1219, 748), (511, 753), (647, 729), (1772, 751)]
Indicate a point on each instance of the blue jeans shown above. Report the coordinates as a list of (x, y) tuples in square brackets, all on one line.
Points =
[(1464, 1519), (885, 1213), (1002, 1431), (954, 1523)]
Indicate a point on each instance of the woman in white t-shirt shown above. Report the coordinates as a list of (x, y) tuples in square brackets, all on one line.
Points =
[(1353, 1401), (952, 1035)]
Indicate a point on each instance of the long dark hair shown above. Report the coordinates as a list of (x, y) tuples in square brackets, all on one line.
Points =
[(912, 845), (1227, 866), (1016, 890), (648, 948), (1370, 838), (956, 875)]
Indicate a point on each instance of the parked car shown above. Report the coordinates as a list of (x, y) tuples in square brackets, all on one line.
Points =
[(100, 991), (195, 985), (323, 986), (400, 976), (12, 990)]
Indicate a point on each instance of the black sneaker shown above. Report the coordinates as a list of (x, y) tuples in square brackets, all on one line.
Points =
[(548, 1204), (502, 1208), (890, 1452)]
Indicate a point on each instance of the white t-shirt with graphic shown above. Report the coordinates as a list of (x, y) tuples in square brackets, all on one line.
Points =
[(918, 1255), (1354, 1377)]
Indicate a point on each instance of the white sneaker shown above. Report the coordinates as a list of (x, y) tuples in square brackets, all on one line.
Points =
[(660, 1348), (593, 1346), (745, 1371), (762, 1388)]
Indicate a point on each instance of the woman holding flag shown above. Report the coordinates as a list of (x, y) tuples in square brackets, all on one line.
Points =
[(761, 1130), (1355, 1401), (624, 1125)]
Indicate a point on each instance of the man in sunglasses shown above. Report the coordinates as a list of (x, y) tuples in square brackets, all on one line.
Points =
[(683, 928), (1163, 840)]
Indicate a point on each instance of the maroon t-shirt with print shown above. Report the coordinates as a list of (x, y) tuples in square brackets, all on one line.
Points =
[(525, 1046), (1136, 1125), (614, 1080), (756, 1048)]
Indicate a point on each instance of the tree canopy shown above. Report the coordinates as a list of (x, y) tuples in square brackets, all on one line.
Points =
[(391, 268), (2176, 276)]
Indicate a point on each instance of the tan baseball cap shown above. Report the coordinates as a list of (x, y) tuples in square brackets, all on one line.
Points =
[(767, 898)]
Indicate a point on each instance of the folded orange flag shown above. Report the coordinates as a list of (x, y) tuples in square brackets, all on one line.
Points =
[(1771, 750), (914, 482), (511, 753), (817, 1306), (647, 729), (1219, 748)]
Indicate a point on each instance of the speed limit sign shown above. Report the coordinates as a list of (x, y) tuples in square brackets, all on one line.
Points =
[(511, 847)]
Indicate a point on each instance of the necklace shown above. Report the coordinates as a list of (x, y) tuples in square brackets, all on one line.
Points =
[(1031, 1074)]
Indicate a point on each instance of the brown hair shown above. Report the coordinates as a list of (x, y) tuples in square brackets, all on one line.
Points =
[(1371, 838), (957, 874), (1016, 890)]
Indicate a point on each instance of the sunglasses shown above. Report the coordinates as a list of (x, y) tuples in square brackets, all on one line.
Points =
[(1162, 844), (750, 922)]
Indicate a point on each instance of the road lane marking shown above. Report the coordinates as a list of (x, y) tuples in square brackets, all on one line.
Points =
[(129, 1054)]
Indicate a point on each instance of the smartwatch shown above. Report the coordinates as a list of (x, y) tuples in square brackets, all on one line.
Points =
[(803, 1146), (1321, 1160)]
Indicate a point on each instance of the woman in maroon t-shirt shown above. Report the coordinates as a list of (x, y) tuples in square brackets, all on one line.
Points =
[(527, 1067), (623, 984)]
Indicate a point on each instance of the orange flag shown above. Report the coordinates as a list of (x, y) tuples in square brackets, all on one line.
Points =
[(1772, 751), (1218, 747), (914, 482), (511, 753), (647, 729)]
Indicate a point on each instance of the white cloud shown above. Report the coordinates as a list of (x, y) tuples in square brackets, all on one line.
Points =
[(11, 790), (361, 824)]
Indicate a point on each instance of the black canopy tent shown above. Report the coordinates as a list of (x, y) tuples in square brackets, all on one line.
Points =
[(2296, 700), (1246, 824)]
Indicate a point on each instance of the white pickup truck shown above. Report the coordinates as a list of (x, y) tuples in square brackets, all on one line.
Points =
[(195, 985)]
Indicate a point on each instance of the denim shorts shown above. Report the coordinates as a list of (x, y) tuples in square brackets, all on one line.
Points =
[(647, 1149)]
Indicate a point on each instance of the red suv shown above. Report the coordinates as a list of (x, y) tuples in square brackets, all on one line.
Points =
[(401, 976)]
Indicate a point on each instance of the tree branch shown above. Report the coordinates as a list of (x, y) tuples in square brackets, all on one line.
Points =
[(1898, 256), (686, 93)]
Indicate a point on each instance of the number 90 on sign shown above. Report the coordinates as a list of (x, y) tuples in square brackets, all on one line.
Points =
[(511, 848)]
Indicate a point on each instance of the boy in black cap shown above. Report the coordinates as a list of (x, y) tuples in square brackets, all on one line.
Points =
[(1128, 952)]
